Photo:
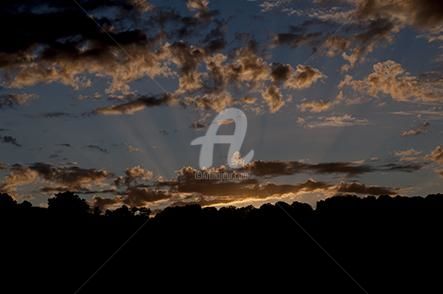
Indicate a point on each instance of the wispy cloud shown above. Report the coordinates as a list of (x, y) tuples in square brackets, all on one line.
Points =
[(336, 121)]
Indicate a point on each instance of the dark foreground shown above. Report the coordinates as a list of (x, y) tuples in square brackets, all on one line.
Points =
[(345, 245)]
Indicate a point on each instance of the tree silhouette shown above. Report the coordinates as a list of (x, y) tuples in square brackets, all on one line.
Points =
[(68, 203), (387, 244), (122, 211), (7, 202)]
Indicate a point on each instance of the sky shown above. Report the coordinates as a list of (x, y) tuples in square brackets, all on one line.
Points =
[(103, 98)]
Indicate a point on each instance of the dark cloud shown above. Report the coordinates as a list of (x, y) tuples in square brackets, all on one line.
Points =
[(421, 13), (135, 105), (84, 191), (103, 203), (277, 168), (109, 39), (362, 189), (409, 168), (97, 148), (71, 176), (34, 22), (134, 197), (280, 72), (295, 40), (77, 45), (56, 114), (249, 188), (281, 168), (141, 196), (9, 140), (141, 188), (130, 44)]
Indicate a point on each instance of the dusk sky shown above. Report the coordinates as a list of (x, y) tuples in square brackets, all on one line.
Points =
[(103, 98)]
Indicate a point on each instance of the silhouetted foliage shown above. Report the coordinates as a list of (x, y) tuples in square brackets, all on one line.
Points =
[(386, 244), (123, 211), (68, 203), (25, 205), (7, 202)]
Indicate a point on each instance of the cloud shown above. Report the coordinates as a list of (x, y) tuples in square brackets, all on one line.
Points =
[(294, 40), (141, 196), (216, 101), (97, 148), (133, 149), (246, 70), (134, 106), (201, 5), (56, 114), (12, 100), (360, 26), (408, 155), (345, 120), (359, 188), (60, 177), (281, 72), (425, 14), (9, 140), (18, 176), (430, 114), (436, 155), (77, 55), (375, 32), (350, 169), (304, 77), (115, 45), (395, 167), (354, 36), (141, 5), (316, 106), (273, 98), (237, 191), (134, 176), (390, 78), (142, 189), (77, 46), (417, 130)]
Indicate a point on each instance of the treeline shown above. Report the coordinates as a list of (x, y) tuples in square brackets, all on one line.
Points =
[(70, 204), (347, 244)]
